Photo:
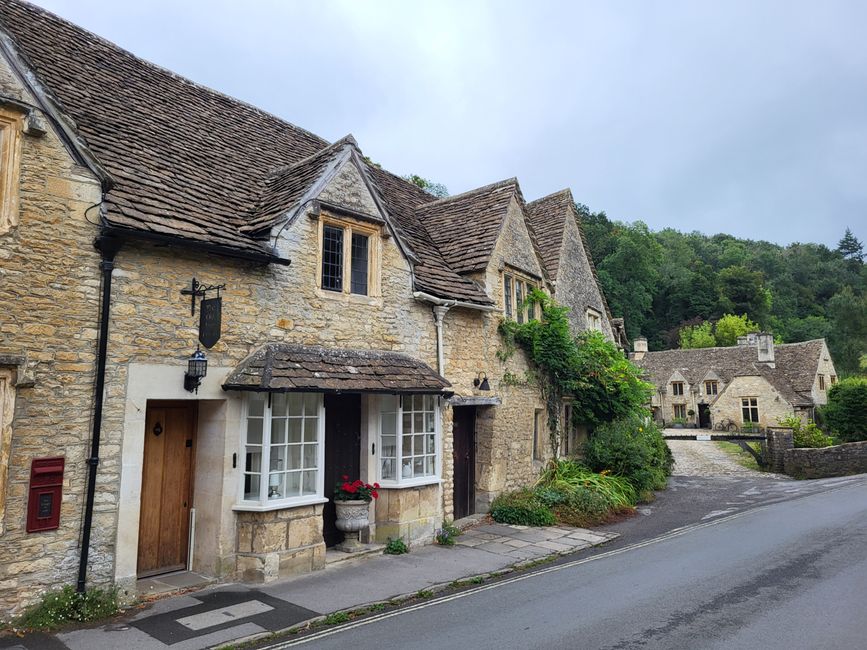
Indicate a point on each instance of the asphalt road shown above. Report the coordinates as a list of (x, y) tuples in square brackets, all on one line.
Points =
[(792, 574)]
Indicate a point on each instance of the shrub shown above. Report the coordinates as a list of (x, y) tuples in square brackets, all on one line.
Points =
[(68, 606), (522, 507), (631, 448), (806, 435), (584, 507), (396, 546), (564, 476), (445, 536), (846, 410)]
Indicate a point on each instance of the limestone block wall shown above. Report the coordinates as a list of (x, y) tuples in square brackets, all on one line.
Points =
[(576, 286), (279, 543), (49, 299), (411, 513), (827, 370), (839, 460), (772, 405)]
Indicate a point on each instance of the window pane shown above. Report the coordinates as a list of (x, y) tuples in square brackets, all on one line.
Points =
[(388, 447), (295, 429), (278, 430), (418, 466), (429, 466), (389, 424), (278, 458), (407, 422), (507, 294), (295, 402), (418, 445), (388, 468), (310, 429), (254, 431), (278, 404), (332, 258), (311, 404), (358, 263), (293, 484), (256, 404), (418, 422), (276, 485), (310, 456), (430, 444), (406, 472), (519, 300), (251, 487), (407, 445), (308, 485), (294, 461)]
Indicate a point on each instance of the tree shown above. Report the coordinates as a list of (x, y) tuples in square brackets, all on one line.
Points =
[(850, 248), (730, 327), (434, 189), (743, 291), (846, 411), (847, 338), (697, 336)]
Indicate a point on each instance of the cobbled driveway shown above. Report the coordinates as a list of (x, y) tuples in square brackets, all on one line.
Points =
[(705, 458)]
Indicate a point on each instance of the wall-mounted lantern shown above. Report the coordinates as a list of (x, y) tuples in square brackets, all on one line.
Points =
[(197, 368), (481, 382)]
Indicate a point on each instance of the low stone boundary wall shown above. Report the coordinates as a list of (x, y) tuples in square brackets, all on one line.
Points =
[(839, 460)]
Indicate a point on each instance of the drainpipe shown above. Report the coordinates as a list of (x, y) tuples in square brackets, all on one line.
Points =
[(108, 246), (439, 312)]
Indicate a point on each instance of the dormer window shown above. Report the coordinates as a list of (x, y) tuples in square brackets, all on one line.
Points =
[(347, 259), (594, 320), (677, 388)]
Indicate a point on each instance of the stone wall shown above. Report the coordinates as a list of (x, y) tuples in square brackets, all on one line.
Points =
[(772, 406), (49, 302), (279, 543), (839, 460), (411, 513), (576, 286)]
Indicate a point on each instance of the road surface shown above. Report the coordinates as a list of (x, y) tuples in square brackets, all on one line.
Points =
[(792, 574)]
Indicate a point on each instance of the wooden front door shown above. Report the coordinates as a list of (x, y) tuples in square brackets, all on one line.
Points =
[(166, 487), (464, 433), (342, 453)]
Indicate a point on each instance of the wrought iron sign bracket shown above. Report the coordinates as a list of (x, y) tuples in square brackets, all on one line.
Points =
[(199, 290)]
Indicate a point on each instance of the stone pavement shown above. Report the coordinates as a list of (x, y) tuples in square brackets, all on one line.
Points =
[(221, 614), (705, 458)]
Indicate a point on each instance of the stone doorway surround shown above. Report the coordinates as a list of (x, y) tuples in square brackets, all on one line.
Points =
[(215, 490)]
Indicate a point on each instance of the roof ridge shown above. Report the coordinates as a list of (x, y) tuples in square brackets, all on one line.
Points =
[(346, 139), (157, 67), (565, 190), (733, 347), (507, 181)]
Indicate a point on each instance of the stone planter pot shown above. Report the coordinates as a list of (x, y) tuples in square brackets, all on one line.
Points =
[(352, 518)]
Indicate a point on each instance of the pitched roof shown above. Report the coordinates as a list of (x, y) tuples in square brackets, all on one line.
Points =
[(795, 364), (432, 273), (189, 162), (465, 227), (284, 367), (186, 160), (548, 218)]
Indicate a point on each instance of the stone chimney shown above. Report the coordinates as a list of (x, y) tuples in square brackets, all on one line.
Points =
[(765, 344), (639, 348)]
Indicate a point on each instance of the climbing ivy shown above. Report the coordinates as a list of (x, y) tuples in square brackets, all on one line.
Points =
[(601, 381)]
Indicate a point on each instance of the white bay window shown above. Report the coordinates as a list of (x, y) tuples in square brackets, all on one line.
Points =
[(409, 441), (283, 450)]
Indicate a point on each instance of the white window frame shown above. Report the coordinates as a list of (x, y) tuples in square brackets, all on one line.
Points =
[(399, 481), (520, 312), (263, 504)]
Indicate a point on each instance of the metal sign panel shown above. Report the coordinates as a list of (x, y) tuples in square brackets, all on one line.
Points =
[(210, 317)]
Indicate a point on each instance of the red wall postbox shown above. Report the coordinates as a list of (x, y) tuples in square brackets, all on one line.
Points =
[(46, 490)]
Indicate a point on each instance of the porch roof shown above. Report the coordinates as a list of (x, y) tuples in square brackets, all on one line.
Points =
[(285, 367)]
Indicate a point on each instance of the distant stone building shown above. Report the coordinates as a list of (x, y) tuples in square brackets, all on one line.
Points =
[(755, 381)]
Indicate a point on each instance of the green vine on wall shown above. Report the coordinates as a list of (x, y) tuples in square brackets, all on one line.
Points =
[(601, 381)]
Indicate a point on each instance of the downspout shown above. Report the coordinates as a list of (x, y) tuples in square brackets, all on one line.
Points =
[(108, 246), (439, 312)]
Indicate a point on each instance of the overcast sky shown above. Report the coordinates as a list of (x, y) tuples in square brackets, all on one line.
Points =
[(741, 117)]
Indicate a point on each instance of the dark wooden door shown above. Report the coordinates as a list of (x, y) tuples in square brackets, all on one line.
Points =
[(704, 416), (342, 453), (166, 487), (464, 432)]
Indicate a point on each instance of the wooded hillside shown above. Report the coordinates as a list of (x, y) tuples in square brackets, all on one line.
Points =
[(664, 281)]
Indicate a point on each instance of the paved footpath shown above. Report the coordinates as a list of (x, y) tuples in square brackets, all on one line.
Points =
[(226, 613)]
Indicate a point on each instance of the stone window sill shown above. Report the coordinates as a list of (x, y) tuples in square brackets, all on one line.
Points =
[(286, 504), (413, 483)]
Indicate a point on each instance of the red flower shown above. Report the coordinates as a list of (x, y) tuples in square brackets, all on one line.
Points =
[(351, 489), (357, 483), (345, 487), (376, 485), (374, 494), (345, 477)]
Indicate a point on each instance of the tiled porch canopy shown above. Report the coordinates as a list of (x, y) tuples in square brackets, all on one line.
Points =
[(284, 367)]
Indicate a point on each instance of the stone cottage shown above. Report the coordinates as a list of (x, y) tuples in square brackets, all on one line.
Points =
[(754, 382), (348, 320)]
